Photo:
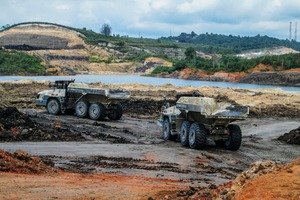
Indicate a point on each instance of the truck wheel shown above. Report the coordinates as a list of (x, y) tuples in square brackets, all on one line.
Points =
[(116, 113), (53, 107), (97, 111), (166, 130), (235, 137), (184, 133), (81, 108), (197, 136)]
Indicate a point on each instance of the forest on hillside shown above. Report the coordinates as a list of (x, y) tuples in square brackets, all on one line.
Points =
[(218, 43), (231, 63)]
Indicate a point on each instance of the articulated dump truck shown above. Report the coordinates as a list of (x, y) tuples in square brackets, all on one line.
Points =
[(194, 119), (85, 100)]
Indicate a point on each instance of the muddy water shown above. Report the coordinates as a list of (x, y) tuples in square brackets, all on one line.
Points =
[(147, 154)]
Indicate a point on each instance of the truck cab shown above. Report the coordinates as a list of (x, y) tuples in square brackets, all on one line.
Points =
[(57, 92)]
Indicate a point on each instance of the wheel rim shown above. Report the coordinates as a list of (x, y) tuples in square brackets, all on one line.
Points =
[(53, 106), (81, 108), (192, 137), (183, 136), (95, 111)]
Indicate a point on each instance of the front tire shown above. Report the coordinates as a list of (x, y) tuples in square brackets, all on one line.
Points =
[(82, 108), (53, 107), (197, 136), (235, 137), (97, 111), (184, 133)]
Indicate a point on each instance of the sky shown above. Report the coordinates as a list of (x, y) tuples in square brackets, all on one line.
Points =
[(161, 18)]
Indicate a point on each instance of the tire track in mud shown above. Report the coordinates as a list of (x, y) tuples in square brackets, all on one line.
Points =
[(95, 164)]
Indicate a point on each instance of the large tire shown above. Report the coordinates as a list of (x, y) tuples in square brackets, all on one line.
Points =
[(53, 107), (184, 133), (116, 113), (97, 111), (197, 136), (166, 130), (235, 137), (82, 108)]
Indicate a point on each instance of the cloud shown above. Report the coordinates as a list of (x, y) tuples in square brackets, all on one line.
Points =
[(156, 18)]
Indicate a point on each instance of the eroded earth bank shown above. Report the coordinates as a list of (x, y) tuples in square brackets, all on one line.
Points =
[(65, 157)]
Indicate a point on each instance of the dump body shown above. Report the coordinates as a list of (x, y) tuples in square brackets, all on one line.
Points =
[(207, 111), (66, 95)]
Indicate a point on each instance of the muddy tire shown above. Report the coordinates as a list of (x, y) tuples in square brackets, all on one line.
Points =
[(116, 113), (235, 137), (184, 133), (53, 107), (82, 108), (97, 111), (197, 136), (166, 130)]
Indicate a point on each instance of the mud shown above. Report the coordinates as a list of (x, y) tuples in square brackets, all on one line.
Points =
[(292, 137), (16, 126)]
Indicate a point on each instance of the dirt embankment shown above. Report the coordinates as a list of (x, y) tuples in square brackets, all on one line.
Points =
[(261, 74), (263, 180)]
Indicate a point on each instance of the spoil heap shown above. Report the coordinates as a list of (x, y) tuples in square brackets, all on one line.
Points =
[(22, 162), (16, 126)]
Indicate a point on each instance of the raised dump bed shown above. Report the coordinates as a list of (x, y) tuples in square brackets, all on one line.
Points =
[(194, 119)]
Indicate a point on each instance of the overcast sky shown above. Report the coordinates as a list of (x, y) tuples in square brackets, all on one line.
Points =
[(156, 18)]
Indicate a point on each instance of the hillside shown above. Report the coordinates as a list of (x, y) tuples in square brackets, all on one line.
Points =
[(61, 50), (218, 43)]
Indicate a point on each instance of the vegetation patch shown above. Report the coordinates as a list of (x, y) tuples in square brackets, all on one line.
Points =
[(15, 62)]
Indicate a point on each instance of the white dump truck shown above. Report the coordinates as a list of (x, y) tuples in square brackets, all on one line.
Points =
[(96, 103), (195, 119)]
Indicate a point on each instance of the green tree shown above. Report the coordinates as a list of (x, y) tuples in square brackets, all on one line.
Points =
[(106, 29), (190, 53)]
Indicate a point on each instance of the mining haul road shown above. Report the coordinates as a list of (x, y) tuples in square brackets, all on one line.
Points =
[(133, 146)]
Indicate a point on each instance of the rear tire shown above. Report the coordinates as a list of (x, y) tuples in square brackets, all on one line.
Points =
[(53, 107), (184, 133), (116, 113), (82, 108), (97, 111), (197, 136), (235, 137)]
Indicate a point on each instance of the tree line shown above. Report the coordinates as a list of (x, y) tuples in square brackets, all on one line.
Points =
[(218, 43), (230, 63)]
